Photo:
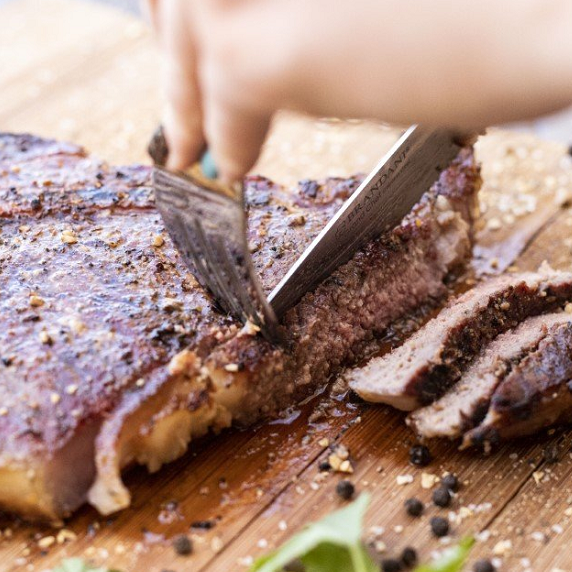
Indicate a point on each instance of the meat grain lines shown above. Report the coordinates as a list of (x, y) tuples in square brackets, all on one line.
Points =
[(259, 493)]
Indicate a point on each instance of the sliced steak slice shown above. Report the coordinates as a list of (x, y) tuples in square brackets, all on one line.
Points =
[(110, 352), (433, 359), (467, 402), (535, 394)]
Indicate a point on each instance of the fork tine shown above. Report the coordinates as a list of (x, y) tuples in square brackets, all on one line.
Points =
[(214, 265), (199, 260), (243, 298), (236, 283)]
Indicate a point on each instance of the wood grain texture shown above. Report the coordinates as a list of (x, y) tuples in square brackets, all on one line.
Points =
[(87, 73)]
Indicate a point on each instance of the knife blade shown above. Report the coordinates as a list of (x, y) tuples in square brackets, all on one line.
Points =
[(379, 204)]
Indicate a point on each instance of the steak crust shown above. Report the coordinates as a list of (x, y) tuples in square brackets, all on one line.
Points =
[(433, 359), (536, 393), (111, 352), (466, 404)]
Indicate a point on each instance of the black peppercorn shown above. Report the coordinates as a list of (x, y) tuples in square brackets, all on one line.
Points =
[(419, 455), (484, 565), (390, 565), (451, 482), (409, 557), (324, 466), (414, 507), (442, 497), (182, 545), (439, 526), (345, 489), (203, 524)]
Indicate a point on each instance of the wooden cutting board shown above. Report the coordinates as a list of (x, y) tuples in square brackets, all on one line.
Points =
[(87, 73)]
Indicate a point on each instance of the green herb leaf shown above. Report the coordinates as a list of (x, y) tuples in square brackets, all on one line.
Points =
[(78, 565), (332, 544), (452, 560)]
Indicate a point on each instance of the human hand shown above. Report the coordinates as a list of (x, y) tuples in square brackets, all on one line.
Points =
[(230, 64)]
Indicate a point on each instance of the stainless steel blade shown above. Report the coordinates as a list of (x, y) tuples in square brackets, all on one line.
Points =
[(408, 170), (207, 223)]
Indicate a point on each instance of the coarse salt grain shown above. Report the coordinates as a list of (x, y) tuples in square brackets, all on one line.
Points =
[(68, 237), (557, 529), (46, 542), (158, 241), (65, 535), (342, 452), (428, 480), (483, 536), (36, 301), (249, 329), (346, 467), (376, 531), (502, 547), (45, 338), (379, 546)]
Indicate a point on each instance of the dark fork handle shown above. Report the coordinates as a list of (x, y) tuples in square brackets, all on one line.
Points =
[(158, 150)]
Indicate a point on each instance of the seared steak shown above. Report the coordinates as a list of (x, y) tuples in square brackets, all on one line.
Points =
[(467, 402), (432, 360), (535, 394), (111, 354)]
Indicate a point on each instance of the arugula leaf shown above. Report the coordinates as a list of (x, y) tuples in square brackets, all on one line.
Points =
[(78, 565), (332, 544), (452, 560)]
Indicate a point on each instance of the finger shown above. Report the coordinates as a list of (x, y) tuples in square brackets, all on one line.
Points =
[(182, 116), (149, 11), (234, 134)]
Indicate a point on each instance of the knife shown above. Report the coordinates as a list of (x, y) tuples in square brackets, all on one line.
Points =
[(207, 223), (379, 204)]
